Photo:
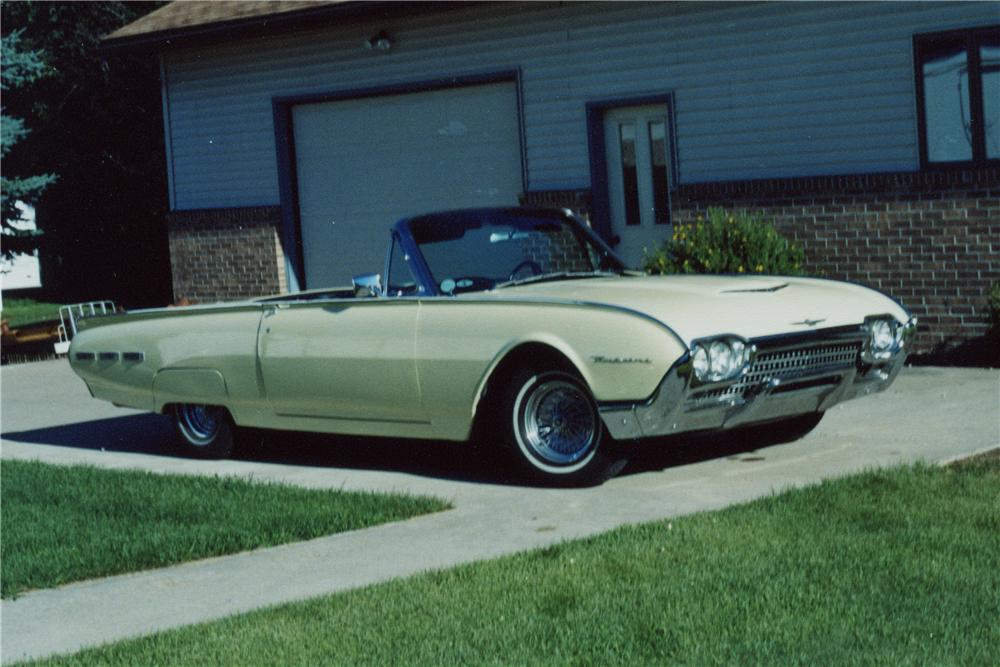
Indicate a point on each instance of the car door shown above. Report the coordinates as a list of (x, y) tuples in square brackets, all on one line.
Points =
[(342, 359)]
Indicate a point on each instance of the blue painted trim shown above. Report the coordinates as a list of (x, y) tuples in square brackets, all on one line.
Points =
[(427, 85), (291, 230), (284, 143), (600, 212), (168, 135)]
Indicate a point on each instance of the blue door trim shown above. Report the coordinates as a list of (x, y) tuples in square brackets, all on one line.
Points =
[(600, 212)]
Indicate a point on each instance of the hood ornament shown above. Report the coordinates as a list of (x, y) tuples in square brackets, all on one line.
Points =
[(809, 323)]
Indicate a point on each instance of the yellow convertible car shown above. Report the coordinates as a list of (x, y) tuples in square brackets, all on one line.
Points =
[(516, 328)]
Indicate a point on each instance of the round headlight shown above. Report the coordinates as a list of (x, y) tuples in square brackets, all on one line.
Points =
[(720, 356), (882, 336), (739, 354), (700, 362)]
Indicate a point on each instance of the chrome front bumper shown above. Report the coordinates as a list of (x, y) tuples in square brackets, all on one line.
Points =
[(788, 376)]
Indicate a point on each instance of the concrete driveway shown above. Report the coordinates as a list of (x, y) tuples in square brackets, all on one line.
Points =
[(930, 414)]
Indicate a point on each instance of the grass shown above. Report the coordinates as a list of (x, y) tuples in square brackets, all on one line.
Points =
[(887, 567), (20, 312), (63, 524)]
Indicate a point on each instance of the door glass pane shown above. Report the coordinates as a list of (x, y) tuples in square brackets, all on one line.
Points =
[(989, 56), (946, 103), (630, 180), (658, 161)]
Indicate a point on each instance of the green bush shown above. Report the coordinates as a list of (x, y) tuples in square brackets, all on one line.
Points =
[(727, 243), (994, 305)]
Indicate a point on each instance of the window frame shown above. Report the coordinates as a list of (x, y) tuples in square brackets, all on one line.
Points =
[(973, 39)]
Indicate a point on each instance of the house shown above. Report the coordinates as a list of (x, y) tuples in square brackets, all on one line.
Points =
[(20, 270), (297, 132)]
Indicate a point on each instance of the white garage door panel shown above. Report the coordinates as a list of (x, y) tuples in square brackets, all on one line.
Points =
[(363, 164)]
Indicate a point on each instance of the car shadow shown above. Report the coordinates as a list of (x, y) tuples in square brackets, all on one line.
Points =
[(658, 454), (152, 434), (135, 434)]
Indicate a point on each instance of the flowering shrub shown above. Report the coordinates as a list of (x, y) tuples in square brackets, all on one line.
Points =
[(727, 243)]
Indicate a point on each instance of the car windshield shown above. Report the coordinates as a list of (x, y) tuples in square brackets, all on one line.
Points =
[(468, 251)]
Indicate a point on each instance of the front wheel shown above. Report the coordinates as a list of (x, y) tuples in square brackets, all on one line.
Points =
[(552, 430), (204, 431)]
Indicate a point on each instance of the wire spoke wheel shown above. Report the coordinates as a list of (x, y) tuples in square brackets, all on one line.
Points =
[(552, 432), (559, 424)]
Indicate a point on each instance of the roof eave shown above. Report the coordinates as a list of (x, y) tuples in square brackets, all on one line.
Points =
[(251, 25)]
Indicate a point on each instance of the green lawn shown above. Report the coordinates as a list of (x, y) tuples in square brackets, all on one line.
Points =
[(63, 524), (28, 311), (892, 567)]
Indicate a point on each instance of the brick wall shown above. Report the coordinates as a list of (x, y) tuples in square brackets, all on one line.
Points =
[(931, 239), (577, 201), (226, 254)]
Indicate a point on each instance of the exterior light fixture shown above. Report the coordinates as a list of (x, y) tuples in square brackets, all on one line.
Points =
[(380, 41)]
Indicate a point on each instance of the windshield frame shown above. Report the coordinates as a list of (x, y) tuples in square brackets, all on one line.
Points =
[(424, 276)]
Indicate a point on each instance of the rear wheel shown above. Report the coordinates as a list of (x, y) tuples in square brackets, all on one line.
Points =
[(552, 432), (204, 431)]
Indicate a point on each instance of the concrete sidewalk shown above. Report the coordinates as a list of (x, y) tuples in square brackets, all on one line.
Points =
[(930, 414)]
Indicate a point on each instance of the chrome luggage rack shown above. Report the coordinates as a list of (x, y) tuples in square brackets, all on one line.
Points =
[(69, 315)]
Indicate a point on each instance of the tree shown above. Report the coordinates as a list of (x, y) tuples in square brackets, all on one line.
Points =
[(96, 122), (20, 69)]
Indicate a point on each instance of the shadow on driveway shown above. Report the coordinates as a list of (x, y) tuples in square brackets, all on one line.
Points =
[(154, 435), (136, 434)]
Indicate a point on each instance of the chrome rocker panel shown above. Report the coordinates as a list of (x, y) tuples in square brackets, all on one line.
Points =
[(676, 407)]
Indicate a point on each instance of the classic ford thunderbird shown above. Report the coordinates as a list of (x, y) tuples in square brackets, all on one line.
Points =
[(518, 329)]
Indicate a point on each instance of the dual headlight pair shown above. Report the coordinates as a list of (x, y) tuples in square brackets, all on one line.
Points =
[(720, 360), (727, 358), (885, 338)]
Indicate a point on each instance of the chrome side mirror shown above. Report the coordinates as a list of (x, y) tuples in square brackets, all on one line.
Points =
[(367, 285)]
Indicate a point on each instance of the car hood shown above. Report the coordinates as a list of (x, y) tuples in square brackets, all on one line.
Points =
[(699, 306)]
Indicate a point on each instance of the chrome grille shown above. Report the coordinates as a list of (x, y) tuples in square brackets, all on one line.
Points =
[(788, 364)]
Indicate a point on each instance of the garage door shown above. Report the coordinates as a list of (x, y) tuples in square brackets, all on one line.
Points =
[(363, 164)]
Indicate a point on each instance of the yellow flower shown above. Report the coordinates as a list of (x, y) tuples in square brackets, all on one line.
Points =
[(760, 268), (740, 270)]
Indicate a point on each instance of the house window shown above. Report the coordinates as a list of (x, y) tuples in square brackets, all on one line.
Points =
[(958, 96)]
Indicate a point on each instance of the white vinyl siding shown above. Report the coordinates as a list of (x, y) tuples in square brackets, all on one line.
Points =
[(761, 90)]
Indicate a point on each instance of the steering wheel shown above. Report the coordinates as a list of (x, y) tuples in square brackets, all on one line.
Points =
[(526, 264)]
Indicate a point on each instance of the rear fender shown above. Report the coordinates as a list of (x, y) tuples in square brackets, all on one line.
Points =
[(189, 385)]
